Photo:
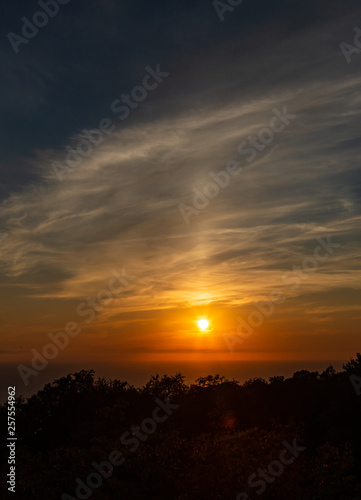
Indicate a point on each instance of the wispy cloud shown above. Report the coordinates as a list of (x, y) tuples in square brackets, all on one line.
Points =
[(119, 207)]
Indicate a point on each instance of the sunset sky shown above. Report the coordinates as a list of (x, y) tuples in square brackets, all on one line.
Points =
[(119, 208)]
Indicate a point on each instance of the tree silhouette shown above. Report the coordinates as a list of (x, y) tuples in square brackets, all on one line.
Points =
[(221, 433)]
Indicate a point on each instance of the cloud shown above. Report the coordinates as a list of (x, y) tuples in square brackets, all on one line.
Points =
[(119, 208)]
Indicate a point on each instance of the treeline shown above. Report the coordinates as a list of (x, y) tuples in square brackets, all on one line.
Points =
[(220, 433)]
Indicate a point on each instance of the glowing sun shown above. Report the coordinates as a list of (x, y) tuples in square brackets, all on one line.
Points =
[(203, 324)]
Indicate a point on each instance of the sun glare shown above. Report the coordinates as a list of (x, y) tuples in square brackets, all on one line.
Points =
[(203, 324)]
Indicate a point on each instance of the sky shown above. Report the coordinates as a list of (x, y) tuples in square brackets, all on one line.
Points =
[(230, 177)]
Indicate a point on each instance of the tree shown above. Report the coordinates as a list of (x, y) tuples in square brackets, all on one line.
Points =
[(167, 386)]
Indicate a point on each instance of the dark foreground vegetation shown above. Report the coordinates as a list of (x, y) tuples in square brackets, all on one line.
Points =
[(214, 445)]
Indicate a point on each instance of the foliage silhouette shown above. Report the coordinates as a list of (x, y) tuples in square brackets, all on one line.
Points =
[(221, 433)]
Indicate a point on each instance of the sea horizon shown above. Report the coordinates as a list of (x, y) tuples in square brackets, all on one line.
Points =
[(138, 374)]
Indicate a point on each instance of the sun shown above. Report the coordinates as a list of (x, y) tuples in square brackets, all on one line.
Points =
[(203, 324)]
